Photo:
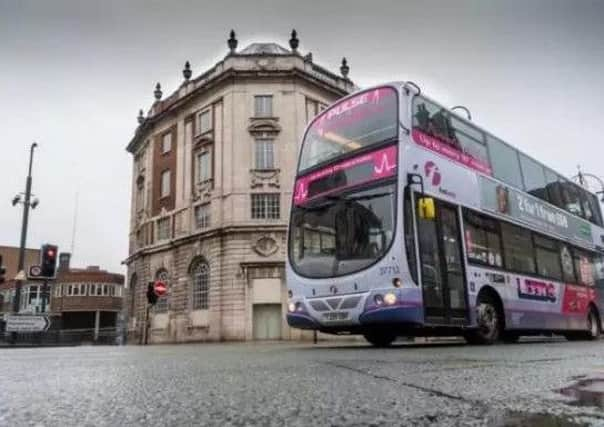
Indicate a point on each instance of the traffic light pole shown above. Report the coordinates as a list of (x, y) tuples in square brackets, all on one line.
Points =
[(45, 297), (146, 328), (26, 205)]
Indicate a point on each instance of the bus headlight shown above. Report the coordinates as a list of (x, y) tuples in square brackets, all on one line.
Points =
[(291, 307), (378, 299), (390, 298)]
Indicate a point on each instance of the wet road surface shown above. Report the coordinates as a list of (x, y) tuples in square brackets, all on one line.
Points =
[(305, 384)]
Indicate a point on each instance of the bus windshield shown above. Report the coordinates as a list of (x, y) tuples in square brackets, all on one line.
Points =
[(354, 123), (344, 233)]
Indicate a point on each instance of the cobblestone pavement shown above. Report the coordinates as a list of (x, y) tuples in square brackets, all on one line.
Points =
[(300, 384)]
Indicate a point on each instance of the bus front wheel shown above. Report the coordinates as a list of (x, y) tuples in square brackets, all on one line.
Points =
[(489, 320), (380, 339)]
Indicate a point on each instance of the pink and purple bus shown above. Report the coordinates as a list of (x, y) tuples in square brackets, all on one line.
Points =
[(408, 220)]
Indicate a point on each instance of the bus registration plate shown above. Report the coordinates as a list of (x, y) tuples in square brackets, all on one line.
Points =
[(335, 316)]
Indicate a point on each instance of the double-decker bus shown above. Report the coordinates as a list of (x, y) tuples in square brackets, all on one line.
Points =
[(408, 220)]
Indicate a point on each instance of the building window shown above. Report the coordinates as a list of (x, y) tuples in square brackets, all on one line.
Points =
[(204, 166), (204, 121), (265, 157), (263, 106), (163, 228), (166, 143), (132, 285), (165, 184), (200, 276), (140, 196), (99, 289), (202, 216), (162, 302), (265, 206)]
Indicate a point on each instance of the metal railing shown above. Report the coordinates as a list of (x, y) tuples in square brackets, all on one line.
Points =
[(105, 336)]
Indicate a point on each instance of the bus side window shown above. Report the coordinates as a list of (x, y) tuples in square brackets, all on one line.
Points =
[(571, 198), (568, 269), (518, 248), (598, 271), (583, 267)]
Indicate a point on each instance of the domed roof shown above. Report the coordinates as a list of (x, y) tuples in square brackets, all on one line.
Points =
[(264, 49)]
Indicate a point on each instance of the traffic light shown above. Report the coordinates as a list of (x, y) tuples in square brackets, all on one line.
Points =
[(151, 295), (48, 263), (2, 270)]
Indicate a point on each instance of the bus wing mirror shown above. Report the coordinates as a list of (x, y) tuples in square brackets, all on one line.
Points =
[(426, 208)]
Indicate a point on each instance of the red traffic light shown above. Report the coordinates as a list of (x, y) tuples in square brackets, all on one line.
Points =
[(50, 253)]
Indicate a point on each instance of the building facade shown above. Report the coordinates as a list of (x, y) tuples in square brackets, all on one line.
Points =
[(86, 298), (31, 295), (77, 298), (213, 167)]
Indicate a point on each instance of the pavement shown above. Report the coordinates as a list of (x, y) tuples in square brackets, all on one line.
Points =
[(301, 384)]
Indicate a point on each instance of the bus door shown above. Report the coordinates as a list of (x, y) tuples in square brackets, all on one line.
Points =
[(442, 274)]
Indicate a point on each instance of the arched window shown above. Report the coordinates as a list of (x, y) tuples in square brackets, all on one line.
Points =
[(200, 277), (133, 281), (162, 303)]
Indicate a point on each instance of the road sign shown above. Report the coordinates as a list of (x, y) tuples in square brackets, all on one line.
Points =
[(26, 323), (160, 288), (35, 273)]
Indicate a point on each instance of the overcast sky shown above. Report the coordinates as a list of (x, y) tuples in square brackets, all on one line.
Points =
[(73, 76)]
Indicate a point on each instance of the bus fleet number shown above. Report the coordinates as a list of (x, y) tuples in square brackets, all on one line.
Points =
[(389, 269)]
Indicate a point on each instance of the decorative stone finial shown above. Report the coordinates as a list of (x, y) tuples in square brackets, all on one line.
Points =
[(232, 41), (344, 68), (293, 41), (308, 57), (186, 72), (140, 117), (157, 92)]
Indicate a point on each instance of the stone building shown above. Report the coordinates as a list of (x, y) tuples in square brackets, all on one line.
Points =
[(213, 167)]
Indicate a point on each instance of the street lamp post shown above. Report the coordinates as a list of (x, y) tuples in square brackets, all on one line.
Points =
[(27, 203), (582, 179)]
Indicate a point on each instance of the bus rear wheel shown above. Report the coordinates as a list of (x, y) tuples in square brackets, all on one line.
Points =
[(380, 338), (592, 332), (593, 326), (489, 320)]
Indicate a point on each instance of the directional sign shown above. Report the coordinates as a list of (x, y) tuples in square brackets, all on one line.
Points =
[(26, 323), (160, 288)]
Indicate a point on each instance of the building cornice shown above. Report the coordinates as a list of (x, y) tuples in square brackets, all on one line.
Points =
[(199, 235), (174, 102)]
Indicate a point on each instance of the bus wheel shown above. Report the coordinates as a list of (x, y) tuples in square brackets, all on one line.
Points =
[(380, 339), (489, 322), (593, 326)]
